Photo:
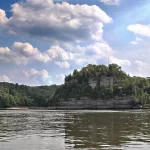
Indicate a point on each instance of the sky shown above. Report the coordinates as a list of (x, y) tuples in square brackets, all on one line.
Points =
[(41, 41)]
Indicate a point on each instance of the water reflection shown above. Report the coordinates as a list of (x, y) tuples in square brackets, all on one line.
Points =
[(98, 130), (75, 130)]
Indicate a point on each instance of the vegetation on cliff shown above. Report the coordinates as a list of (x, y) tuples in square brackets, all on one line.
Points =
[(102, 82)]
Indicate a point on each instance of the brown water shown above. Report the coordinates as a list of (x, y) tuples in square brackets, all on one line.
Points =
[(74, 130)]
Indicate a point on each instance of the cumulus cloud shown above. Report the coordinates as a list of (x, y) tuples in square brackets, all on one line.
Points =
[(111, 2), (99, 50), (56, 21), (63, 64), (38, 77), (58, 53), (28, 51), (25, 53), (95, 53), (140, 29), (65, 56), (4, 78), (3, 20), (22, 53), (92, 53)]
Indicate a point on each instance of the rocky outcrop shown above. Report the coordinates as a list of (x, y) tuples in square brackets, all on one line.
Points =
[(93, 83), (103, 81), (108, 81), (87, 103)]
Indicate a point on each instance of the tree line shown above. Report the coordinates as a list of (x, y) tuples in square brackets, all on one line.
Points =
[(12, 95)]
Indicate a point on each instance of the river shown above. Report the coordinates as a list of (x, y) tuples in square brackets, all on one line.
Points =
[(74, 130)]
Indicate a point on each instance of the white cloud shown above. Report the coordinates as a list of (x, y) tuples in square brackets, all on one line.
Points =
[(25, 53), (4, 78), (28, 51), (137, 41), (99, 49), (56, 22), (3, 19), (38, 77), (7, 56), (140, 68), (22, 53), (58, 53), (63, 64), (111, 2), (60, 76), (133, 42), (140, 64), (121, 62), (140, 29), (92, 53), (63, 57)]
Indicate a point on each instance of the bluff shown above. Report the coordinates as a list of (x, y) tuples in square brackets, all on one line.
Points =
[(102, 87)]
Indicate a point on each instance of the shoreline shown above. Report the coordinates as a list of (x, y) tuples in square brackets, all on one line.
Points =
[(68, 108), (23, 108)]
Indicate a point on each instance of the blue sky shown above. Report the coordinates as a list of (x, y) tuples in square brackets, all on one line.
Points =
[(41, 41)]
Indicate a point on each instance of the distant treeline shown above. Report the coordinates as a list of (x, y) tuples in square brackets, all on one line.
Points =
[(12, 95)]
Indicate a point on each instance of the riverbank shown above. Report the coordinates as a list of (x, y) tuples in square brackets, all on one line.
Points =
[(70, 108), (89, 104), (24, 108)]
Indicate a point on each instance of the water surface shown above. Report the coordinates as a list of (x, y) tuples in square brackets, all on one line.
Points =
[(74, 130)]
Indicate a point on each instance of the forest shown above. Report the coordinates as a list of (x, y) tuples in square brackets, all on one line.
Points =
[(13, 95), (77, 85)]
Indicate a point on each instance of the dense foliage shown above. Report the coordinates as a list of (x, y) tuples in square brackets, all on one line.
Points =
[(77, 85), (12, 95)]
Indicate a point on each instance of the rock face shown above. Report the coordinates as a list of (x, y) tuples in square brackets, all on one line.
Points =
[(93, 83), (86, 103), (103, 81), (108, 81), (124, 102)]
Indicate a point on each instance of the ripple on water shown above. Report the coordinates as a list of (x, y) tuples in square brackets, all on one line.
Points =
[(75, 130)]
